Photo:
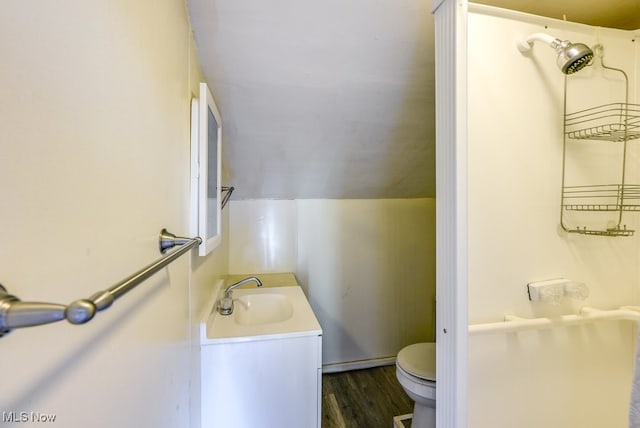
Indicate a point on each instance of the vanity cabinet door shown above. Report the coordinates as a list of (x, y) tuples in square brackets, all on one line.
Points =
[(266, 383)]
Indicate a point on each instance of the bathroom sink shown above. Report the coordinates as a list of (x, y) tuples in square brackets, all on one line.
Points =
[(264, 308), (261, 313)]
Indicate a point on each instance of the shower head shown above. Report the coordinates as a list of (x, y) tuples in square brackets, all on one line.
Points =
[(572, 57)]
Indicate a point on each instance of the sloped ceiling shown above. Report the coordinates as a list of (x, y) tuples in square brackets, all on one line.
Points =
[(322, 99), (335, 99)]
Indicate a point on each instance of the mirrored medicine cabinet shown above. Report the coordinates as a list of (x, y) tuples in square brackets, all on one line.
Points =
[(206, 170)]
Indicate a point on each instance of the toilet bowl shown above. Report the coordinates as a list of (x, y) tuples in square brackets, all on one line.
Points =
[(416, 372)]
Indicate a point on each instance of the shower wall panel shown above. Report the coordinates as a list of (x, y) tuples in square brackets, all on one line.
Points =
[(577, 376)]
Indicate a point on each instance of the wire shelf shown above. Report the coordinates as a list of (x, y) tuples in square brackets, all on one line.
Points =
[(602, 197), (609, 122), (607, 232)]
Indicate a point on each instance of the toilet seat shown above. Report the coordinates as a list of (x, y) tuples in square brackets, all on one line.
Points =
[(418, 360), (419, 390)]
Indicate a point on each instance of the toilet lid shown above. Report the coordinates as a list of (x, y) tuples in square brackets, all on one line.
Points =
[(419, 360)]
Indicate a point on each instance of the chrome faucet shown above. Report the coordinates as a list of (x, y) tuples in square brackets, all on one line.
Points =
[(225, 305)]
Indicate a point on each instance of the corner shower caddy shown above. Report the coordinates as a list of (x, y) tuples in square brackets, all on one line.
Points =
[(618, 123)]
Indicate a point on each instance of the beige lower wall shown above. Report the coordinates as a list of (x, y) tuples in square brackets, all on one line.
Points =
[(367, 266)]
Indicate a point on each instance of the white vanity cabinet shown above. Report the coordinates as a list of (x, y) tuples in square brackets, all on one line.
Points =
[(262, 383), (261, 365)]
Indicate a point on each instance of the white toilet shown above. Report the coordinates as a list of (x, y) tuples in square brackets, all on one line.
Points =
[(416, 372)]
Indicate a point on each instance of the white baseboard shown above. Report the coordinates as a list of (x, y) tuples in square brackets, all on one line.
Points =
[(357, 365)]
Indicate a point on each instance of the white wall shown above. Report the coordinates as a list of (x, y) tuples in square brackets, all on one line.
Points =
[(367, 266), (577, 376), (95, 162)]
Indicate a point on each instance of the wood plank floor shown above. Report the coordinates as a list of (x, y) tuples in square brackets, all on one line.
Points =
[(367, 398)]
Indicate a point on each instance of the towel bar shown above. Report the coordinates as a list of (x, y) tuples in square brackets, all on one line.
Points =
[(512, 323), (17, 314)]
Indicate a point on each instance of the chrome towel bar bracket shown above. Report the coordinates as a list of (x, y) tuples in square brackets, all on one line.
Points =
[(15, 313), (228, 190)]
